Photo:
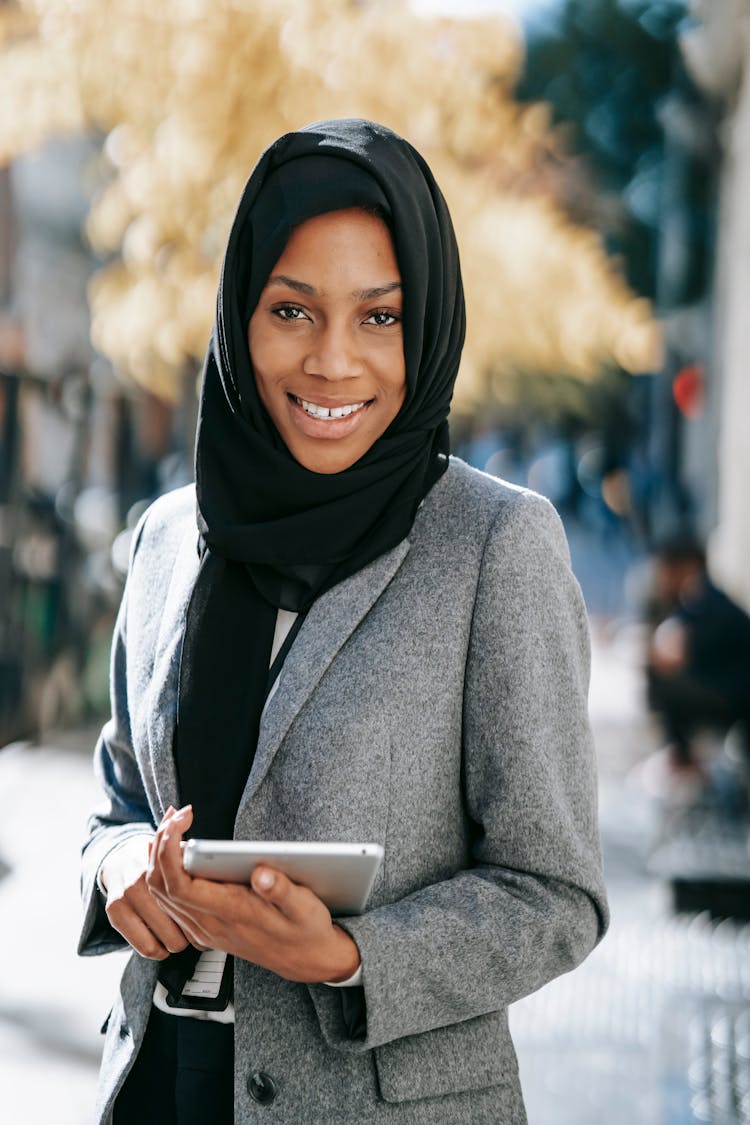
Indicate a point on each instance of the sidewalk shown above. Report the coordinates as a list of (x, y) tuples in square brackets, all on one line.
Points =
[(52, 1002), (639, 1035)]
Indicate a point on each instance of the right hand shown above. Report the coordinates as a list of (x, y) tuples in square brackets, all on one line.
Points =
[(132, 909)]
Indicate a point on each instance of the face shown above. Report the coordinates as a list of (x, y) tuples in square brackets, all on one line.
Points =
[(676, 577), (326, 339)]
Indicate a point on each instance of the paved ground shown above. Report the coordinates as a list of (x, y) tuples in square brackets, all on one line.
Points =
[(654, 1029), (52, 1003)]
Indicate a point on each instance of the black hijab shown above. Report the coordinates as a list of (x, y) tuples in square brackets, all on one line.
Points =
[(300, 532), (273, 534)]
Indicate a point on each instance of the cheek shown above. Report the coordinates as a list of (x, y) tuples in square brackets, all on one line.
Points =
[(271, 395), (393, 396), (260, 352), (259, 371), (390, 370), (269, 361)]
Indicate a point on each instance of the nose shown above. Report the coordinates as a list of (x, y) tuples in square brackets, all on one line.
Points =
[(334, 352)]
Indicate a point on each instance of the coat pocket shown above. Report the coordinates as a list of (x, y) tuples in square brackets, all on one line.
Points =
[(471, 1055)]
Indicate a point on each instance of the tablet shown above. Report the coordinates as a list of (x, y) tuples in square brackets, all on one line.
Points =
[(340, 874)]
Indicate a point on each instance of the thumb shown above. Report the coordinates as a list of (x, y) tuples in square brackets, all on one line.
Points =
[(274, 888)]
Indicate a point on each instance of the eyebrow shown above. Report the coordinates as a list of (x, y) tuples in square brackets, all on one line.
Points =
[(378, 291), (311, 291)]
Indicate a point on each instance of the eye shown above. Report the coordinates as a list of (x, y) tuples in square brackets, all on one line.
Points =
[(289, 312), (383, 318)]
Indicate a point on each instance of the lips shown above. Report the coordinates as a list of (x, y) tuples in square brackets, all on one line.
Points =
[(329, 420)]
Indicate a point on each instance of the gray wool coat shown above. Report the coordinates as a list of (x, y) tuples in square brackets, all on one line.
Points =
[(435, 702)]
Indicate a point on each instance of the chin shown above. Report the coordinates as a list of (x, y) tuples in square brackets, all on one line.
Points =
[(327, 462)]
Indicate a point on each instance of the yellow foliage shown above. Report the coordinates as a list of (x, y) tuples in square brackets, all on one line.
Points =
[(188, 93)]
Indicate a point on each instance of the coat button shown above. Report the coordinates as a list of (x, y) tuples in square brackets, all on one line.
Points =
[(261, 1087)]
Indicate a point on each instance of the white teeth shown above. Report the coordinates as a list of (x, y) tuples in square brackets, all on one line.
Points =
[(316, 411)]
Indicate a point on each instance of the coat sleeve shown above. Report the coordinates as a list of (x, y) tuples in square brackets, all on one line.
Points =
[(533, 904), (125, 810)]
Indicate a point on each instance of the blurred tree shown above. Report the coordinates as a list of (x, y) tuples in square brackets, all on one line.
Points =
[(613, 71), (187, 92)]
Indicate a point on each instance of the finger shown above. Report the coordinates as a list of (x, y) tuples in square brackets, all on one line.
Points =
[(173, 815), (135, 931), (172, 888), (137, 899), (165, 927), (168, 814), (294, 901), (166, 871), (196, 933), (168, 880), (197, 929), (181, 818)]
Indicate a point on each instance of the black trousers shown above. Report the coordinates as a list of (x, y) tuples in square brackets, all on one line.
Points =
[(183, 1074)]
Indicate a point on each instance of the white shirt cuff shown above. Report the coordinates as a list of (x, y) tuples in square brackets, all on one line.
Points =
[(352, 982), (131, 851)]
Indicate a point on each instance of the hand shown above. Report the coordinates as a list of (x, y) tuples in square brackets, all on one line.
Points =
[(132, 909), (274, 922), (669, 648)]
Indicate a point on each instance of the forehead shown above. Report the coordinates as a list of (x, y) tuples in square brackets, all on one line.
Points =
[(344, 243)]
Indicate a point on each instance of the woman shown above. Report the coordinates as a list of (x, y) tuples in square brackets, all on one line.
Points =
[(432, 696)]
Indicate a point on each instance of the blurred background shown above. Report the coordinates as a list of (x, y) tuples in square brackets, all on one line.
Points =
[(596, 158)]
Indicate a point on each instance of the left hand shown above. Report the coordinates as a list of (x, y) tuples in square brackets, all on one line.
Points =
[(669, 648), (274, 922)]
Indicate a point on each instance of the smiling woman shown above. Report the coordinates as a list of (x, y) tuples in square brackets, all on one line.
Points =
[(372, 642), (328, 354)]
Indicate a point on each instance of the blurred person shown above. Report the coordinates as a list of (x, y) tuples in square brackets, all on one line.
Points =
[(341, 634), (698, 659)]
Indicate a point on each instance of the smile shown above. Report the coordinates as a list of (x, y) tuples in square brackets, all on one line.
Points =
[(326, 413)]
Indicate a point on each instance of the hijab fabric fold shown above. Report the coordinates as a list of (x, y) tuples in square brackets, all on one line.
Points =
[(273, 534)]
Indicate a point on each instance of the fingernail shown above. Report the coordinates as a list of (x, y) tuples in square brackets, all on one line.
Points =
[(169, 811), (265, 880)]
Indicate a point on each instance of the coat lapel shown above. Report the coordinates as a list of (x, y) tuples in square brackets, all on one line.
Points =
[(330, 622)]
